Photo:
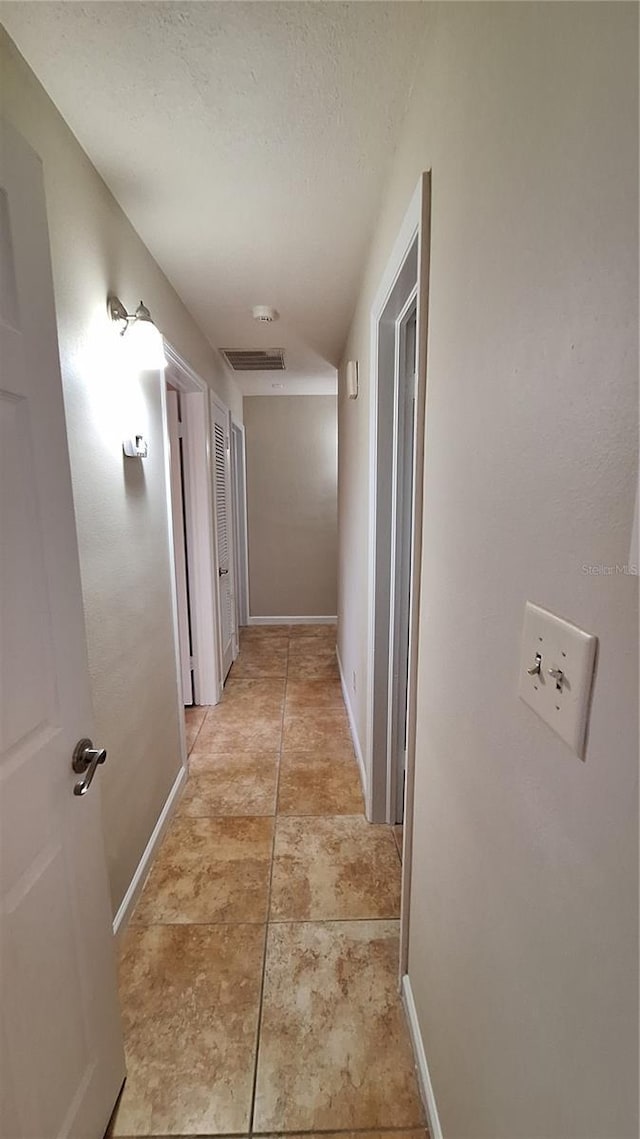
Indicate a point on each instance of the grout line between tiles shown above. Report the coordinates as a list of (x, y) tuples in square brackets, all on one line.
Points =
[(271, 921), (399, 1131), (266, 931), (190, 749)]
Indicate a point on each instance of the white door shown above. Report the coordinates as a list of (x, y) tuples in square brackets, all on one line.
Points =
[(224, 532), (174, 426), (62, 1060)]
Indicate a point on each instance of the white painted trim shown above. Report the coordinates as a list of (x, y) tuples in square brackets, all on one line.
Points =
[(402, 246), (217, 405), (419, 476), (420, 1057), (144, 866), (397, 619), (172, 570), (293, 620), (239, 494), (352, 725), (199, 519), (200, 539), (180, 373)]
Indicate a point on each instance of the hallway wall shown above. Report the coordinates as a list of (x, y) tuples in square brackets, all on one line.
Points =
[(524, 904), (292, 505), (120, 504)]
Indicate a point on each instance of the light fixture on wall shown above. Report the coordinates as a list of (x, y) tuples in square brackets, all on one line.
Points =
[(352, 379), (144, 339)]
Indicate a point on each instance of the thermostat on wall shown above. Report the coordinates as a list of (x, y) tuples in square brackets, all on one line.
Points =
[(352, 379), (136, 448)]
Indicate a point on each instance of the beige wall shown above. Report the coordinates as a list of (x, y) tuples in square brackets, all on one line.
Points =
[(291, 492), (524, 905), (120, 506)]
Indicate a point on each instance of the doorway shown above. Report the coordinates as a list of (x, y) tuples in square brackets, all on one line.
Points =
[(190, 511), (398, 353)]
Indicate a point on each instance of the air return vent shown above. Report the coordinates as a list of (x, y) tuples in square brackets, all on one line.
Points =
[(254, 359)]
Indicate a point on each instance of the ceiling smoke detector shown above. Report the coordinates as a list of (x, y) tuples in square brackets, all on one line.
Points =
[(264, 314)]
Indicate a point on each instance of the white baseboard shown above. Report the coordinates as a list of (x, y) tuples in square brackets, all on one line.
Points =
[(352, 726), (293, 620), (125, 908), (424, 1079)]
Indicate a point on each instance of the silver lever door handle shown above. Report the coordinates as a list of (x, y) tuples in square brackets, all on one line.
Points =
[(85, 761)]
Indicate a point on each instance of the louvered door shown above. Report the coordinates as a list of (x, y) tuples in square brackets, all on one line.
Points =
[(224, 535)]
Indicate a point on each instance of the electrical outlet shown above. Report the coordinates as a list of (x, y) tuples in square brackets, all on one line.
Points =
[(556, 673)]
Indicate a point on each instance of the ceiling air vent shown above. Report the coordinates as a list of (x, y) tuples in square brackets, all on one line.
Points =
[(254, 360)]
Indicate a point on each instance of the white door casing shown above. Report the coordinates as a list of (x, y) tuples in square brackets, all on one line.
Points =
[(408, 266), (241, 557), (174, 428), (62, 1058), (199, 525), (401, 551), (220, 433)]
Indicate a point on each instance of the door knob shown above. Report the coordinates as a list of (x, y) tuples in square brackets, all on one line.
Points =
[(85, 762), (221, 572)]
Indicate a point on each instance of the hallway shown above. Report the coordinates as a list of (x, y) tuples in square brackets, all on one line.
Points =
[(258, 976)]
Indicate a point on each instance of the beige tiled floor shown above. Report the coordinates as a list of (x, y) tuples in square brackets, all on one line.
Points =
[(258, 974)]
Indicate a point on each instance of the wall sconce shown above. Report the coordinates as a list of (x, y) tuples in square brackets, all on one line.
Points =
[(143, 338), (352, 379)]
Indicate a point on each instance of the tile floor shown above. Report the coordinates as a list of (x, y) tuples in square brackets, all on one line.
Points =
[(258, 973)]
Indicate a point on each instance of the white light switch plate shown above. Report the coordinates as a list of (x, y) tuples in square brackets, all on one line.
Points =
[(562, 702)]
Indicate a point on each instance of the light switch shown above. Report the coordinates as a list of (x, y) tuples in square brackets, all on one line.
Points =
[(556, 673)]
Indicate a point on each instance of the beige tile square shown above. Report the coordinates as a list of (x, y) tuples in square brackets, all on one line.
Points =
[(320, 783), (313, 694), (314, 716), (248, 718), (421, 1133), (193, 720), (190, 998), (261, 657), (209, 870), (312, 657), (330, 868), (263, 632), (243, 783), (323, 632), (334, 1050)]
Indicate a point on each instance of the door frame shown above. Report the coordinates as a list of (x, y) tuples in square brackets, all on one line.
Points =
[(407, 267), (198, 509), (178, 519), (240, 519), (401, 552), (217, 404)]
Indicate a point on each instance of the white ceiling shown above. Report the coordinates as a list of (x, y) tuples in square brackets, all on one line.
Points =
[(248, 143)]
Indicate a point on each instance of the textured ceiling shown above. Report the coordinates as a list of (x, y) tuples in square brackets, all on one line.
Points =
[(247, 142)]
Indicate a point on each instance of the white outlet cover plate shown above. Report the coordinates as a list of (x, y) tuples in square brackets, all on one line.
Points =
[(561, 646)]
